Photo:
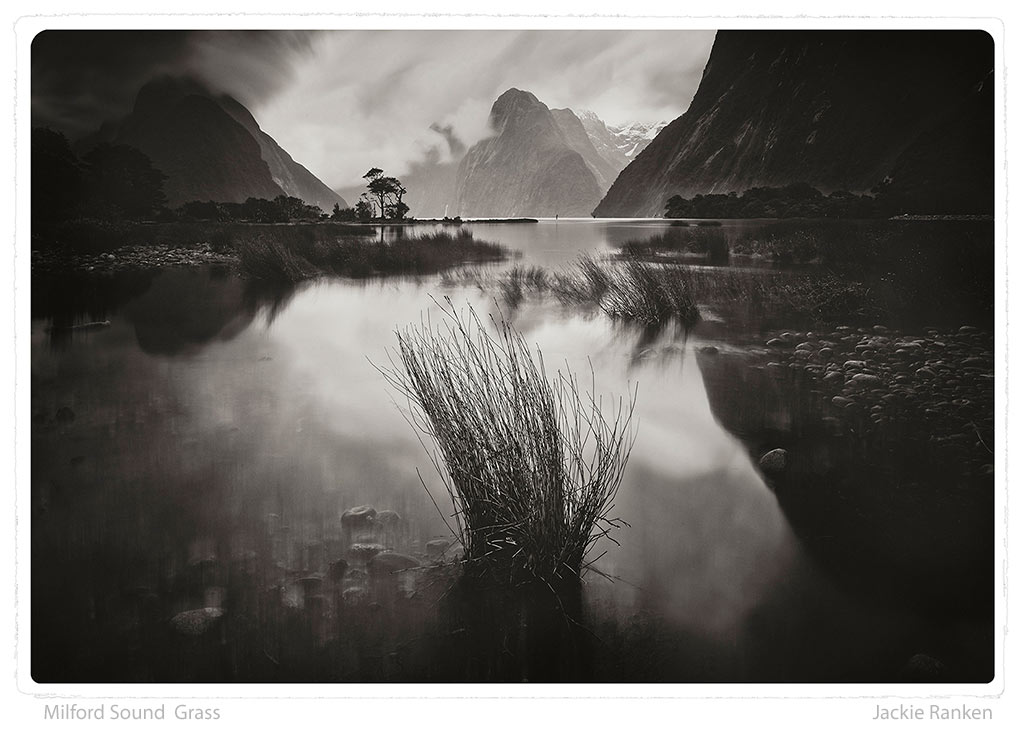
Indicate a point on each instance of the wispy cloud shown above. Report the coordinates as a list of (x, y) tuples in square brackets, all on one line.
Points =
[(343, 101)]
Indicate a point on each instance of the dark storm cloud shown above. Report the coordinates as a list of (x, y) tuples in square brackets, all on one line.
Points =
[(83, 78)]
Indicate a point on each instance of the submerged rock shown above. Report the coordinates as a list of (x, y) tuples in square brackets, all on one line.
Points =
[(437, 547), (365, 551), (388, 517), (774, 462), (196, 622), (358, 516), (355, 596), (336, 570)]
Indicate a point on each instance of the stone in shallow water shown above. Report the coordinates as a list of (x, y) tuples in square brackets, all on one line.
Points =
[(774, 461), (358, 516), (437, 547), (337, 570), (388, 517), (365, 551), (355, 595), (865, 380), (196, 622)]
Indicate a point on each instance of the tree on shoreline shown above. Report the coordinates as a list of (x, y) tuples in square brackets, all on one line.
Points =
[(388, 192)]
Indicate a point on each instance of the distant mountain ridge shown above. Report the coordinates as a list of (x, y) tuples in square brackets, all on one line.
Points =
[(839, 110), (537, 162), (619, 145), (210, 147)]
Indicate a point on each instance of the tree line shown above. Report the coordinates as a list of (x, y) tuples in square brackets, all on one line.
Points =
[(801, 200), (798, 200)]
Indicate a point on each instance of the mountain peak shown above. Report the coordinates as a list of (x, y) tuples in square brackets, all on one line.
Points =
[(513, 105), (165, 90)]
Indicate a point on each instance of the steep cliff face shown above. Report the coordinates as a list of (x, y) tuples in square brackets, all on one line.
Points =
[(836, 109), (209, 147), (576, 136), (527, 168), (293, 178), (204, 152)]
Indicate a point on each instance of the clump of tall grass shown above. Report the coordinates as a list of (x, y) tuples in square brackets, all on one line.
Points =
[(264, 258), (519, 280), (532, 464), (630, 289)]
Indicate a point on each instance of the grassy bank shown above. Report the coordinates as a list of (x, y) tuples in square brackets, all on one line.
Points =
[(306, 254), (272, 253)]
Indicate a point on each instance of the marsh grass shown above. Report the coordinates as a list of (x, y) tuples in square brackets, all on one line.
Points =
[(631, 289), (520, 280), (305, 252), (532, 464)]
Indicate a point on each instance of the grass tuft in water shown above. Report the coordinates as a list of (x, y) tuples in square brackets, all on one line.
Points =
[(630, 289), (532, 464)]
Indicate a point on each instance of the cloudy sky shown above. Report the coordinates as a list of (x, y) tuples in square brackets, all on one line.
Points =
[(343, 101)]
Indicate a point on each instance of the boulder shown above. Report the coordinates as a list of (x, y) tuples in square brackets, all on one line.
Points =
[(364, 552), (388, 517), (196, 622), (774, 462), (437, 547), (865, 381), (336, 570), (358, 516)]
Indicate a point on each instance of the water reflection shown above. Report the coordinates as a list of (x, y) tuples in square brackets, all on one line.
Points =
[(192, 460)]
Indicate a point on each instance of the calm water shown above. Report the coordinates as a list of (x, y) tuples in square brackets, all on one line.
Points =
[(199, 452)]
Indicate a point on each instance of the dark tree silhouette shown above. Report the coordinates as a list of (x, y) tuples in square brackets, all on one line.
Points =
[(122, 183), (57, 176), (388, 192)]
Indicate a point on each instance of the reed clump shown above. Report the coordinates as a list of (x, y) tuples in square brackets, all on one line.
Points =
[(630, 289), (532, 464)]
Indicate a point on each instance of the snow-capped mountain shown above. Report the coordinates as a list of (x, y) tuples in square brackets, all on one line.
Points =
[(619, 145)]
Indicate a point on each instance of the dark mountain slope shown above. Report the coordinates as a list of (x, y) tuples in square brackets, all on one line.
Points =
[(835, 109)]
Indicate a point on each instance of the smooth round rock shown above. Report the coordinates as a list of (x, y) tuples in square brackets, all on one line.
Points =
[(774, 461), (358, 516)]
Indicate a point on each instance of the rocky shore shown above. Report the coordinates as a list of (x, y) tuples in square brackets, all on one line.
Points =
[(936, 385), (129, 258)]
